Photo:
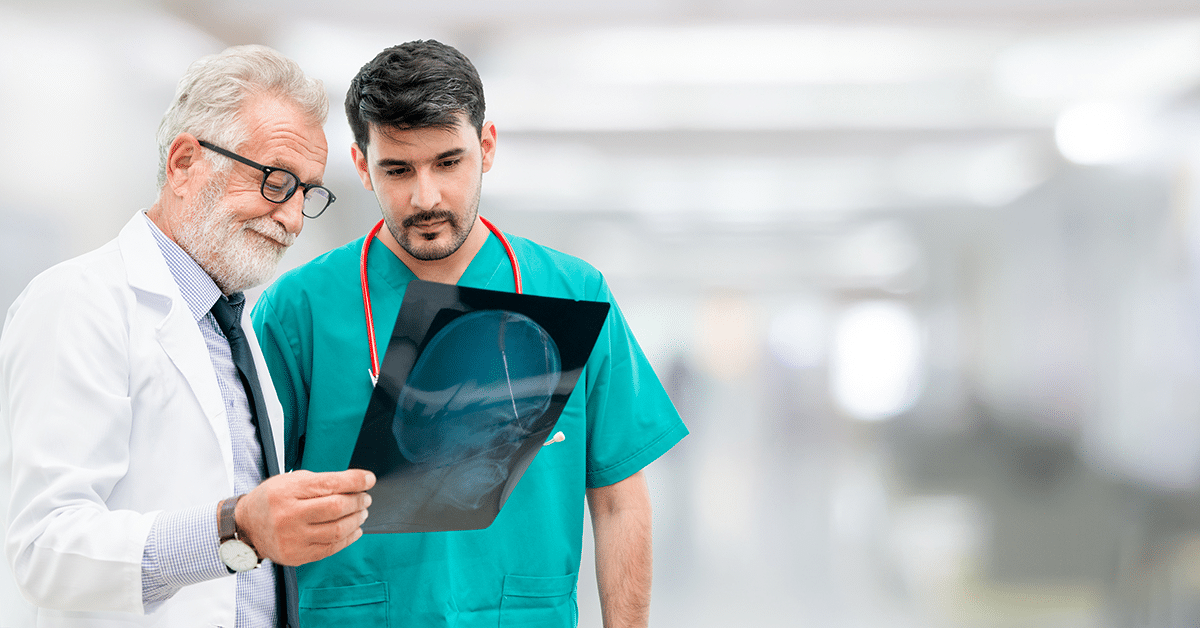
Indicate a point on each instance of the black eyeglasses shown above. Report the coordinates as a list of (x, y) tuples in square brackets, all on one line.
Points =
[(279, 185)]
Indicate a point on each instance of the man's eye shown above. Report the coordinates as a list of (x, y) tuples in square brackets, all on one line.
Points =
[(278, 183), (450, 163)]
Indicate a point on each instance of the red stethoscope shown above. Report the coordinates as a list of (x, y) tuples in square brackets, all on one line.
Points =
[(366, 290)]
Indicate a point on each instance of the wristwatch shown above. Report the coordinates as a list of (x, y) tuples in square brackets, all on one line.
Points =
[(237, 554)]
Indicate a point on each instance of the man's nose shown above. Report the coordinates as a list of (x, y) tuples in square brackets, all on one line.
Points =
[(290, 213), (426, 194)]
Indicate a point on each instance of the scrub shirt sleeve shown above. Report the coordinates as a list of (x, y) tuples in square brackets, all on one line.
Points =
[(631, 420), (283, 352)]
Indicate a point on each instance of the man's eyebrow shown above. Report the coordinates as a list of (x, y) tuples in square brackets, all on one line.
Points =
[(391, 163), (282, 166), (451, 153)]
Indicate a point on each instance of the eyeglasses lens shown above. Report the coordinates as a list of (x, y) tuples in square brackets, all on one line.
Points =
[(315, 201), (279, 185)]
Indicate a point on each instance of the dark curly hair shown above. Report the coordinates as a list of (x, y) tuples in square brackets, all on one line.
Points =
[(416, 85)]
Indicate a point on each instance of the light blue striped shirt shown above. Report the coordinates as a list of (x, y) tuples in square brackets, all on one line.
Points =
[(182, 547)]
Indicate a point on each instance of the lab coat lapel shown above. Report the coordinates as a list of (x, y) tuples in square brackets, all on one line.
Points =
[(160, 301), (274, 408)]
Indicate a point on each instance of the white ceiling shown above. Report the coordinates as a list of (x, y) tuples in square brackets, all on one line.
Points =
[(753, 112)]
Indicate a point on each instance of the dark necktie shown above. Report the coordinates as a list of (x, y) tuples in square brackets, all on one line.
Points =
[(229, 320)]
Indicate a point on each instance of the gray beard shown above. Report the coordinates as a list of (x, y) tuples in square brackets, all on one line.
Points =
[(235, 258)]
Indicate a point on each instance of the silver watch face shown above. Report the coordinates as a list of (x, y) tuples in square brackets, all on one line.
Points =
[(238, 556)]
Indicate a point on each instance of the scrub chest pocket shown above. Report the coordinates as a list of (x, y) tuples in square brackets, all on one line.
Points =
[(539, 601), (355, 605)]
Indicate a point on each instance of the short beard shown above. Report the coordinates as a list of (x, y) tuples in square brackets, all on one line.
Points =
[(459, 231), (427, 251), (235, 258)]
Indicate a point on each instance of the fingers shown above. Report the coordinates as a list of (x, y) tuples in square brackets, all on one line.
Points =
[(338, 530), (331, 508), (321, 551), (311, 484), (321, 540), (300, 517), (331, 496)]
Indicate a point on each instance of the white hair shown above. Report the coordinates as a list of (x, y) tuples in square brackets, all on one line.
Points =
[(209, 98)]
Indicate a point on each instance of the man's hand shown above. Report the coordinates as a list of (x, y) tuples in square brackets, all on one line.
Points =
[(296, 518)]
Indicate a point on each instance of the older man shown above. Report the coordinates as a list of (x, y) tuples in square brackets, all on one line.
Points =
[(144, 443)]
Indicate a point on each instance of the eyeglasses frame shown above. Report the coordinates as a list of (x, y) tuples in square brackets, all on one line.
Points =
[(267, 170)]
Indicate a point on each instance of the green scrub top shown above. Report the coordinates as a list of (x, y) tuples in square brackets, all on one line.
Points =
[(523, 569)]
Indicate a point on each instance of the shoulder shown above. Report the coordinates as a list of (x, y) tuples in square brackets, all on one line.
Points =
[(550, 271), (84, 295), (79, 278), (552, 258)]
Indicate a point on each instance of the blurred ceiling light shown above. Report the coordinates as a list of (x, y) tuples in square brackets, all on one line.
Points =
[(1116, 62), (531, 101), (748, 76), (1000, 172), (568, 176), (778, 53), (990, 173), (931, 171), (1103, 133), (875, 255), (876, 360)]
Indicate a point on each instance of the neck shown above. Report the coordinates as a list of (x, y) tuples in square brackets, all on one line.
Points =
[(447, 270), (158, 215)]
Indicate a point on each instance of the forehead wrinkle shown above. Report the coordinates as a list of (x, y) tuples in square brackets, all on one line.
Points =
[(281, 164), (296, 167), (284, 137)]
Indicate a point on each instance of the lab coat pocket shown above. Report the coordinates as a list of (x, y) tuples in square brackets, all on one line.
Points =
[(539, 601), (354, 605)]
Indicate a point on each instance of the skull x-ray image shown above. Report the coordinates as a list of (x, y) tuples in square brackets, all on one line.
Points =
[(471, 386)]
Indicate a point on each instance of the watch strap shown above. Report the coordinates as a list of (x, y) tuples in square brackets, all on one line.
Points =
[(226, 519)]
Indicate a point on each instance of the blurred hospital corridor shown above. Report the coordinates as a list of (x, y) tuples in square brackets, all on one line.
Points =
[(922, 277)]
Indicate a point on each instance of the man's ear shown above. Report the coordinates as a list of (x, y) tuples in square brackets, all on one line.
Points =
[(183, 158), (487, 142), (360, 165)]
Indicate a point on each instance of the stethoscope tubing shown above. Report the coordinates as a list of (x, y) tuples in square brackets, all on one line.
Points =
[(366, 288)]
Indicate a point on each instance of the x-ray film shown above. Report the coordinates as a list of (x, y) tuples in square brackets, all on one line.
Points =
[(471, 386)]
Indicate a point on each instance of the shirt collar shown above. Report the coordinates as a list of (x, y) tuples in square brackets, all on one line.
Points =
[(199, 290), (488, 269)]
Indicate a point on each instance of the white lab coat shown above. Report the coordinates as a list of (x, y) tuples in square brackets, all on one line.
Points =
[(114, 414)]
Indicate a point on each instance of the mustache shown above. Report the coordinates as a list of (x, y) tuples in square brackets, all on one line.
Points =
[(433, 215), (267, 226)]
